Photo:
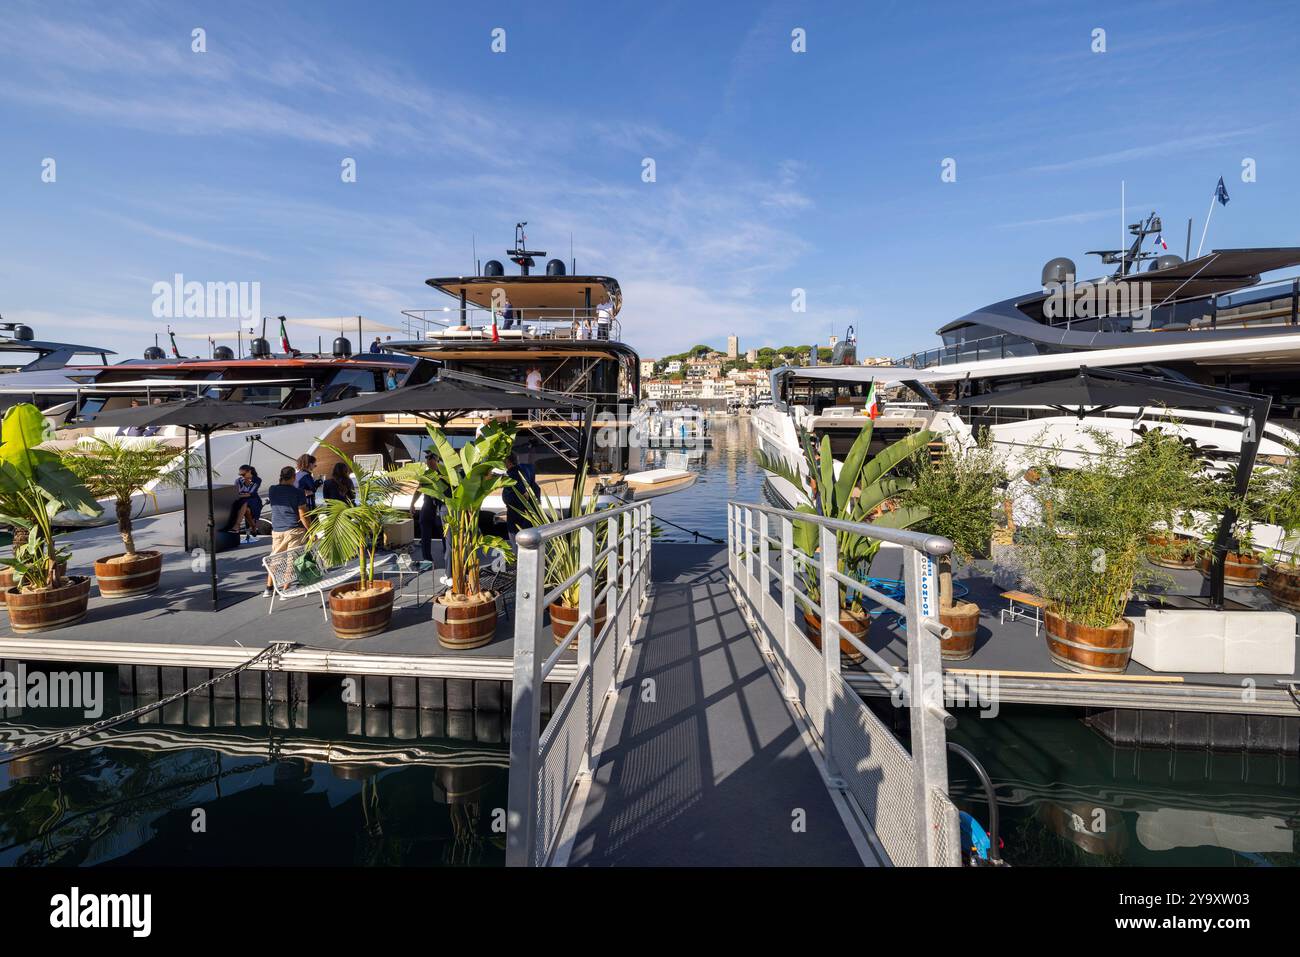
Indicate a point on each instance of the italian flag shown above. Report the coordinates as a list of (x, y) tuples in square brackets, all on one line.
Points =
[(872, 405), (284, 337)]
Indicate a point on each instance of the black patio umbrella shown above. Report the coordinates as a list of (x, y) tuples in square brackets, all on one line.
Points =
[(203, 415), (449, 395), (1090, 391)]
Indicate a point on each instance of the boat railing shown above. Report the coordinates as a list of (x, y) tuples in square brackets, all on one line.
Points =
[(612, 575), (475, 323), (902, 796)]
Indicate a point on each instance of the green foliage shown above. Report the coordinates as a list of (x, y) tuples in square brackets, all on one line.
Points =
[(345, 531), (1084, 555), (563, 552), (118, 469), (961, 491), (1281, 494), (863, 485), (462, 481), (35, 486)]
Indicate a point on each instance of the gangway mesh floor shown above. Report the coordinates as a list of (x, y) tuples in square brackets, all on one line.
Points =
[(711, 769)]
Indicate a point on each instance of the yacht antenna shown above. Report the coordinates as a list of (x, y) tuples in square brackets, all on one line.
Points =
[(521, 255)]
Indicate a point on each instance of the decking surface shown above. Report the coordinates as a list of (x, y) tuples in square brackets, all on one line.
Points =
[(713, 770)]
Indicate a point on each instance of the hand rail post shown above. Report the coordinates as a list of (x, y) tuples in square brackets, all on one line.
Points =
[(525, 704), (626, 615), (830, 643), (614, 591), (788, 605), (764, 577), (749, 555), (925, 697), (587, 615)]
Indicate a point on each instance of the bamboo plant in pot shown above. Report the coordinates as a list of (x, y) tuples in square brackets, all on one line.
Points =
[(563, 555), (117, 469), (462, 481), (1085, 554), (1283, 510), (345, 531), (1243, 565), (960, 490), (865, 485), (35, 486)]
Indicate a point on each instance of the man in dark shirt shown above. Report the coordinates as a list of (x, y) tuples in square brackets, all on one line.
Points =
[(289, 522)]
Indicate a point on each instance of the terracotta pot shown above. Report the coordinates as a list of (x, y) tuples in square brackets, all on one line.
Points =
[(469, 625), (1181, 552), (855, 624), (964, 620), (47, 610), (1284, 585), (359, 616), (126, 578), (563, 618), (7, 580), (1087, 650), (1242, 569)]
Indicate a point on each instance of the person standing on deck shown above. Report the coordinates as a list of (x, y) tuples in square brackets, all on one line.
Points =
[(376, 346), (429, 518), (305, 480), (289, 521), (523, 474)]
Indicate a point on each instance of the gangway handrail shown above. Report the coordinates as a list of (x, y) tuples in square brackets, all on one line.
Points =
[(547, 765), (902, 796)]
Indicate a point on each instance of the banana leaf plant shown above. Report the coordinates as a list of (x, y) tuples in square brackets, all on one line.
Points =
[(345, 530), (35, 486), (862, 492), (462, 481), (563, 553)]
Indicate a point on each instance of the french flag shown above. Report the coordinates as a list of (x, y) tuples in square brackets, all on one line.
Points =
[(1160, 241)]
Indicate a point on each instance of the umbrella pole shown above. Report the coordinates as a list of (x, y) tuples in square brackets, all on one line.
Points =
[(212, 522)]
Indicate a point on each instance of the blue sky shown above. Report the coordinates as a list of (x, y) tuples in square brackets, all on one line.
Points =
[(775, 170)]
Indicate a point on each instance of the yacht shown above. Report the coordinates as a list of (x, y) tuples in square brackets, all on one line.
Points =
[(556, 331), (1212, 320)]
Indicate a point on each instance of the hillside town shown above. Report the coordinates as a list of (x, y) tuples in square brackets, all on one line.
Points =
[(711, 379)]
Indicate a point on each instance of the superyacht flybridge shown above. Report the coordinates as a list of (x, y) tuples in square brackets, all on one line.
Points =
[(1214, 320)]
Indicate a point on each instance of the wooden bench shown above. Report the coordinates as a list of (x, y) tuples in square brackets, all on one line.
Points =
[(284, 579), (1023, 604)]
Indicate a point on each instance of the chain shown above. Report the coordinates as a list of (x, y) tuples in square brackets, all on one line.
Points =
[(271, 653)]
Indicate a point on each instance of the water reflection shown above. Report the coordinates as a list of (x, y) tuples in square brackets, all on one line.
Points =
[(275, 788), (1067, 796)]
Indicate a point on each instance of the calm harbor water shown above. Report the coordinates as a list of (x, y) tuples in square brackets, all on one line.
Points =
[(421, 788)]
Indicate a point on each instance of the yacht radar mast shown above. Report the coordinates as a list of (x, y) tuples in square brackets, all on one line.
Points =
[(1127, 259), (521, 255)]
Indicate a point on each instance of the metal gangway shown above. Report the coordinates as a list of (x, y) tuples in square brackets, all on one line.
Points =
[(719, 630)]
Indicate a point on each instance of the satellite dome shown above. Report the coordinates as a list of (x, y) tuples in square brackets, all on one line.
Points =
[(493, 267), (1167, 261), (555, 267), (154, 353), (1058, 270), (224, 353)]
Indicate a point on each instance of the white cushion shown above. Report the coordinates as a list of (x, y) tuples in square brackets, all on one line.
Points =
[(1179, 640), (1259, 643)]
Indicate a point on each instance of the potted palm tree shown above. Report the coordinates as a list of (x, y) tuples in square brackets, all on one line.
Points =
[(118, 469), (563, 554), (35, 486), (345, 531), (462, 481), (1085, 554), (864, 492), (959, 490)]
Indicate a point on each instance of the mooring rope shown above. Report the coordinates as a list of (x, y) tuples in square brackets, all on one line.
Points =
[(272, 652), (690, 531)]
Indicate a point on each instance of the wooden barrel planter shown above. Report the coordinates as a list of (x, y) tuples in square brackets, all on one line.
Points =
[(357, 614), (856, 625), (563, 618), (1180, 552), (49, 608), (1242, 569), (1284, 585), (1088, 650), (7, 580), (120, 576), (964, 620), (468, 624)]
